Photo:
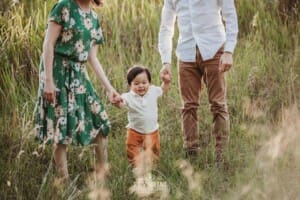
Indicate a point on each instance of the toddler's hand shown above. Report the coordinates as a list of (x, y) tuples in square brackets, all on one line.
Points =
[(120, 104), (114, 97)]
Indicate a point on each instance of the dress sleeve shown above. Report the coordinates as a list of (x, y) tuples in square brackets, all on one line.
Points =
[(60, 13), (99, 34)]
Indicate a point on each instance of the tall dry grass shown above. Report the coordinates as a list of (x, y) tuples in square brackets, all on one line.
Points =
[(263, 151)]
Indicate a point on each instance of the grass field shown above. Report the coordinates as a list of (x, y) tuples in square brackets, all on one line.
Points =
[(263, 98)]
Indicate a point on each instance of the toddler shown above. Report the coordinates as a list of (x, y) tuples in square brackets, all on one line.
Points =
[(142, 143)]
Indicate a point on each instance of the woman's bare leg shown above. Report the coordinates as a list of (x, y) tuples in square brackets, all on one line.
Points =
[(60, 158), (101, 155)]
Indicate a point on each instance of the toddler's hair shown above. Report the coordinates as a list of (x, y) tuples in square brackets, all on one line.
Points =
[(136, 70)]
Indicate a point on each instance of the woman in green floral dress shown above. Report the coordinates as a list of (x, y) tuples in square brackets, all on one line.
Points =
[(69, 111)]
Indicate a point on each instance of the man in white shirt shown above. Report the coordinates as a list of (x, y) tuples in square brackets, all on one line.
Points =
[(204, 51)]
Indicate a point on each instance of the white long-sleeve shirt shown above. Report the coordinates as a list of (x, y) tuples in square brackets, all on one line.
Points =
[(200, 23)]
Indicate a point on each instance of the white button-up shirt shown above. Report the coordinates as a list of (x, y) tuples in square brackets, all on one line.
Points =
[(142, 110), (200, 23)]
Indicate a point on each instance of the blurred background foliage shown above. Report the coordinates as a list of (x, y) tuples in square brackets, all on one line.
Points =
[(262, 84)]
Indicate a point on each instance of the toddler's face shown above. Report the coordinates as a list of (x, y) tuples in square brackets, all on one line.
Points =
[(140, 84)]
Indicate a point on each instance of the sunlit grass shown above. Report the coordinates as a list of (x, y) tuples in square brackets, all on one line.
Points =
[(263, 155)]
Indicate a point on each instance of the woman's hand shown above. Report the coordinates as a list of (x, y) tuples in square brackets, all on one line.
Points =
[(114, 97), (49, 91)]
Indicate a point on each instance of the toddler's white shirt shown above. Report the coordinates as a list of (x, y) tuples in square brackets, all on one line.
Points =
[(142, 110)]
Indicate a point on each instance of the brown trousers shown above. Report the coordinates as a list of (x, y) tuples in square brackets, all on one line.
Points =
[(190, 81), (137, 142)]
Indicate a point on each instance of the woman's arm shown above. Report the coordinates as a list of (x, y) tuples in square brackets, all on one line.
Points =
[(114, 97), (52, 33)]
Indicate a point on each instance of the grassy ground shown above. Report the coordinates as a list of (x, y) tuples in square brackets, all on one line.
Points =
[(263, 95)]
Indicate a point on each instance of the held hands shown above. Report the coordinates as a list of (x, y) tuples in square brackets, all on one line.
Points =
[(165, 73), (117, 100), (114, 97), (166, 76), (225, 62), (49, 91)]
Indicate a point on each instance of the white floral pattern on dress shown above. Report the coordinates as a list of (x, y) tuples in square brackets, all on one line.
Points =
[(59, 111), (88, 23), (65, 14), (66, 35), (79, 46), (78, 114), (83, 56), (95, 107)]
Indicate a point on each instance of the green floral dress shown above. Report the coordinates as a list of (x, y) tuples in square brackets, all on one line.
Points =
[(78, 114)]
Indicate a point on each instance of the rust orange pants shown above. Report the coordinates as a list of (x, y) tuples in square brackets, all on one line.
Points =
[(137, 142)]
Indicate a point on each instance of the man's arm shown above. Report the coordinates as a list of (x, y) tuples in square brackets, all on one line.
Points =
[(230, 17), (165, 36), (166, 31)]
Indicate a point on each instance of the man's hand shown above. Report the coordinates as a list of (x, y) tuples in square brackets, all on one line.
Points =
[(165, 73), (166, 78), (226, 62)]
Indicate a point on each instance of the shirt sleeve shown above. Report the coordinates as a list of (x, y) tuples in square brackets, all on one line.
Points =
[(125, 98), (157, 90), (166, 31), (60, 13), (230, 17)]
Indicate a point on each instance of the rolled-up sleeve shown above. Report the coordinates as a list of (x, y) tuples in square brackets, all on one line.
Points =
[(166, 31), (231, 24)]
